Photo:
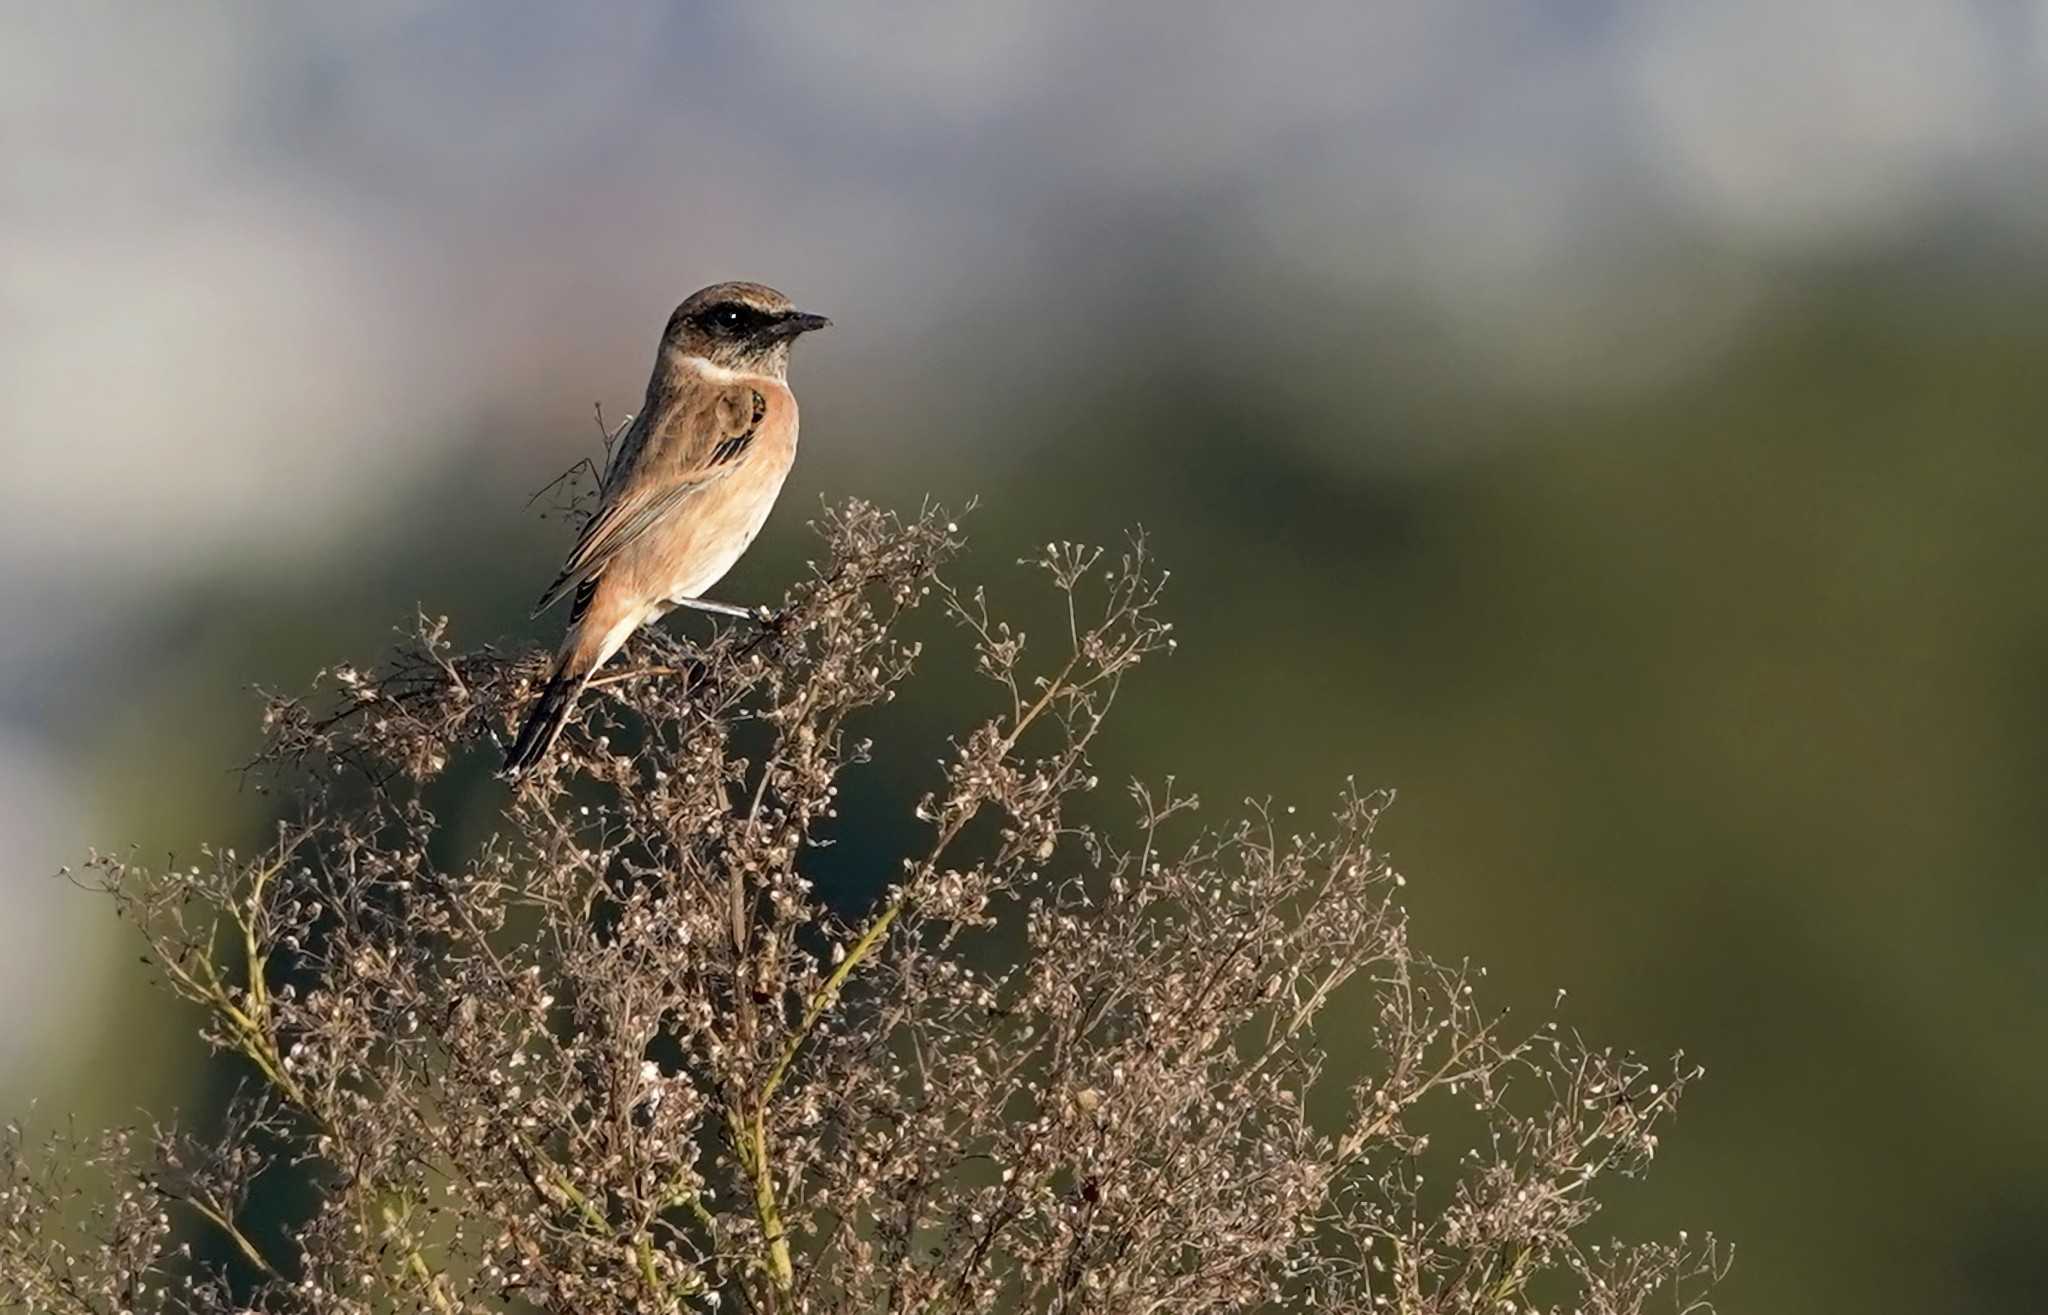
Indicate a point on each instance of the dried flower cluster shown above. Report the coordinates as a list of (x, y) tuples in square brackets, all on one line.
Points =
[(625, 1056)]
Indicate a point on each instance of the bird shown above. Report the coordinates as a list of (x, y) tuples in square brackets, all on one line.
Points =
[(688, 486)]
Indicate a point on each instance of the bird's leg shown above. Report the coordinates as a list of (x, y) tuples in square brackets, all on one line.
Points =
[(711, 605), (761, 614)]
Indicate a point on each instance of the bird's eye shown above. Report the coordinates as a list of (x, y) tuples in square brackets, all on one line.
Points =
[(730, 317)]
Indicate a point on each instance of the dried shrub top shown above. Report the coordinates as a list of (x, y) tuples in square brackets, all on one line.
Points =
[(623, 1055)]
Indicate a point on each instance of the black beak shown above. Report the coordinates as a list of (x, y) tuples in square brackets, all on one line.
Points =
[(796, 322)]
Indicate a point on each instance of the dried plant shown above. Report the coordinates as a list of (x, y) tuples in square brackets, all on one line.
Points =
[(626, 1056)]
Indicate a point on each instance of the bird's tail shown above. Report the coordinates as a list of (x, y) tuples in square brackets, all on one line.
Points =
[(544, 724)]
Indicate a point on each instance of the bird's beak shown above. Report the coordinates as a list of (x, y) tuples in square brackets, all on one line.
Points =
[(796, 322)]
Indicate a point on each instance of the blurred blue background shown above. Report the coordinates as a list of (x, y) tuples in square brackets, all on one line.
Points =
[(1620, 427)]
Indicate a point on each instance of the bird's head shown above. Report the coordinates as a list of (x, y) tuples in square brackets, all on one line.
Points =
[(740, 326)]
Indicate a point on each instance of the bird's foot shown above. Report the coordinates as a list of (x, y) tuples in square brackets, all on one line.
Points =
[(717, 608)]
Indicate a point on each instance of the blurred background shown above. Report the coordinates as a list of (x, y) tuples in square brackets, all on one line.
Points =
[(1617, 426)]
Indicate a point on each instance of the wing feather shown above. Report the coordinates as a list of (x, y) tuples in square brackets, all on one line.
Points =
[(668, 454)]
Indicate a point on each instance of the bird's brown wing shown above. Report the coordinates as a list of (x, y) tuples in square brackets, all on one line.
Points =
[(670, 454)]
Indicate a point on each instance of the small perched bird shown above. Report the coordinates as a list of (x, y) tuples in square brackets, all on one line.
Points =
[(686, 491)]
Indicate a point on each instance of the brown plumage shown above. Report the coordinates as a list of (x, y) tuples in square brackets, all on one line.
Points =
[(686, 492)]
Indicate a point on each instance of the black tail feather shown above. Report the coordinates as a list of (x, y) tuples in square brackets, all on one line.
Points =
[(544, 724)]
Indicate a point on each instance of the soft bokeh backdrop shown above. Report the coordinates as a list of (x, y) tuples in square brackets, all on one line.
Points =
[(1618, 426)]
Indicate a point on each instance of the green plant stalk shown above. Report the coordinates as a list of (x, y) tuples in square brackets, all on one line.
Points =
[(753, 1144), (252, 1040), (415, 1263), (241, 1240)]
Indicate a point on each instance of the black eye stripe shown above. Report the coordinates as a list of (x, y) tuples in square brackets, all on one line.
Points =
[(733, 317)]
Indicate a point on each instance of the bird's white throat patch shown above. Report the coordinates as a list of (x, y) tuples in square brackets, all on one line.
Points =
[(705, 368)]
